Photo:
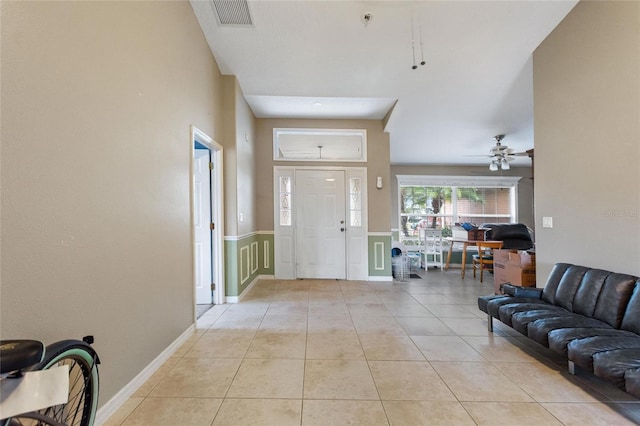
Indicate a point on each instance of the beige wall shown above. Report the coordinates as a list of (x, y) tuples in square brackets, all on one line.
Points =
[(246, 166), (97, 99), (525, 185), (240, 160), (229, 142), (377, 165), (587, 139)]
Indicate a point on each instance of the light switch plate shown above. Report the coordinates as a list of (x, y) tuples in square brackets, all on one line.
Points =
[(547, 222)]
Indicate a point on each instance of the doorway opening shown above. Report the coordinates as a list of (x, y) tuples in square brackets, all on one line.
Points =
[(207, 225)]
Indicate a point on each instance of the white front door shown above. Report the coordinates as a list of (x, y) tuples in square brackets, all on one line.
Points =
[(320, 224), (202, 222)]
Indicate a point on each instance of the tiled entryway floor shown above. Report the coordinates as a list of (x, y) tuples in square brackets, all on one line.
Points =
[(328, 352)]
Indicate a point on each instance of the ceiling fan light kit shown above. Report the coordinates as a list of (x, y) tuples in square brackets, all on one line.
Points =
[(501, 155)]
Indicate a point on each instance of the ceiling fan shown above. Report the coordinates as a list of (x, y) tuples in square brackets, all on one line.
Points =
[(501, 155)]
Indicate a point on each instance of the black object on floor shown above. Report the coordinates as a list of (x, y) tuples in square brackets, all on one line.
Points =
[(415, 276)]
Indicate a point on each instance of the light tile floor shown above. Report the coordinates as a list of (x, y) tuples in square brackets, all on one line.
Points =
[(313, 352)]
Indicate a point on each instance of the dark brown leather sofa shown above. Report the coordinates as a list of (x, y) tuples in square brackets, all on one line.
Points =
[(591, 316)]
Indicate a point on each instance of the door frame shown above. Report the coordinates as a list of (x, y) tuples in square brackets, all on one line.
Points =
[(217, 214), (357, 246)]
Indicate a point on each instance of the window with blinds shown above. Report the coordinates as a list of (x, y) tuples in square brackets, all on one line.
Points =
[(425, 206)]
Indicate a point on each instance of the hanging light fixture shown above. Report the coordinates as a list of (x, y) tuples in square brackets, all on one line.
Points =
[(501, 155), (422, 61), (499, 162), (413, 42), (413, 45)]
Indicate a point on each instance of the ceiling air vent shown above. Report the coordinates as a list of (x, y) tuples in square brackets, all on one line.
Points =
[(232, 12)]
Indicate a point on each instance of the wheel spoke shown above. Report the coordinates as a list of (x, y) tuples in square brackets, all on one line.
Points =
[(78, 406)]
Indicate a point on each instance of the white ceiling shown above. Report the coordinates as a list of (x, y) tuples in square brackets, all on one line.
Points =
[(477, 81)]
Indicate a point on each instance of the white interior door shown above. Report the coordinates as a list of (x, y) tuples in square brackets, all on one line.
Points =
[(202, 221), (320, 224)]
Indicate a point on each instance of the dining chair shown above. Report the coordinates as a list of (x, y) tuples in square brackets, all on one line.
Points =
[(484, 258), (432, 247)]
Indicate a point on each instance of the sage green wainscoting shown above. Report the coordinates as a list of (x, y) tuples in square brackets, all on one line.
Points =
[(246, 258), (380, 255), (265, 246)]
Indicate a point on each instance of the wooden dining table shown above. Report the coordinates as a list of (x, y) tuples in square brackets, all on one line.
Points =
[(465, 244)]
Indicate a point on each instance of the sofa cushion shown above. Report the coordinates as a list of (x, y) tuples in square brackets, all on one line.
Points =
[(632, 382), (551, 286), (584, 302), (568, 286), (581, 351), (493, 306), (612, 365), (561, 337), (613, 299), (539, 330), (631, 318), (520, 320), (506, 311), (484, 300), (519, 316)]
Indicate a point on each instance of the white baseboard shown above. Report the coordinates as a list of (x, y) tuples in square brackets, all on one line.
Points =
[(380, 278), (236, 299), (108, 409)]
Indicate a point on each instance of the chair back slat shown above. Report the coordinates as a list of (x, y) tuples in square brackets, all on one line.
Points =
[(484, 258)]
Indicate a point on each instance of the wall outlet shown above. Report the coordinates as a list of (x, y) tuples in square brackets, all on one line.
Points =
[(547, 222)]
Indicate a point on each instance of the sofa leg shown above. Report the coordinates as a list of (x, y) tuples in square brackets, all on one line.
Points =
[(490, 323), (572, 368)]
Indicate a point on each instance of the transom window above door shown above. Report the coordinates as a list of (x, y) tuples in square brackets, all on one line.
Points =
[(320, 145)]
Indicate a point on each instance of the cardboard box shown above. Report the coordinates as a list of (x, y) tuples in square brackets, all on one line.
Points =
[(476, 234), (515, 267)]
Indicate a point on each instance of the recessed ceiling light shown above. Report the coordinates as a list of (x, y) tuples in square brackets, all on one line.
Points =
[(317, 104)]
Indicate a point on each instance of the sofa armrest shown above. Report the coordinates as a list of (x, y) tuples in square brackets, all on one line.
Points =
[(519, 291)]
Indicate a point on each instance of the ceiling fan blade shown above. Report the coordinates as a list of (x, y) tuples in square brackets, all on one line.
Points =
[(499, 148)]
